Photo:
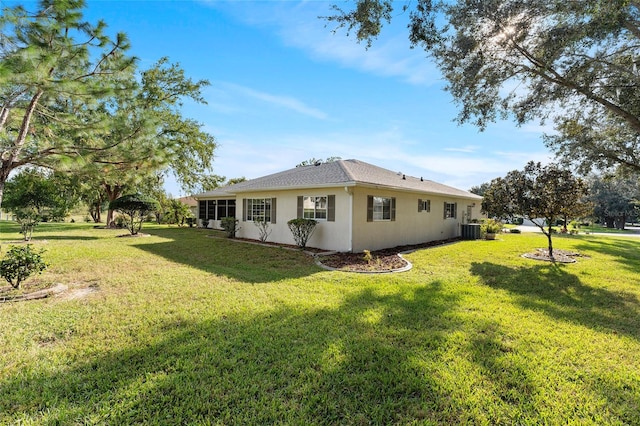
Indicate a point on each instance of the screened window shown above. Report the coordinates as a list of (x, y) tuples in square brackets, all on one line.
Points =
[(424, 205), (216, 209), (211, 209), (226, 208), (450, 210), (381, 208), (314, 207), (259, 209)]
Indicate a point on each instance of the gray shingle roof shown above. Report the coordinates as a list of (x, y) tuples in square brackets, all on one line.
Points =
[(338, 173)]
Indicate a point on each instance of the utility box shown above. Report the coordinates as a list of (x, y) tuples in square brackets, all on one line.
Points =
[(470, 231)]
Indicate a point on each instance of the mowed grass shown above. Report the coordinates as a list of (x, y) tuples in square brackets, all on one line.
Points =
[(183, 328)]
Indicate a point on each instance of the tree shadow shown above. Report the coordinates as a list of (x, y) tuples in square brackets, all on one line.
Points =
[(550, 289), (353, 364), (626, 251), (377, 358), (221, 256)]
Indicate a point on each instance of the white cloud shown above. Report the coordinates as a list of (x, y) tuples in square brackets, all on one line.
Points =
[(239, 156), (232, 92), (299, 25), (465, 149)]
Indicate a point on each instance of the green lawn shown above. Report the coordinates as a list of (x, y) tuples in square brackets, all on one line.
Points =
[(187, 329)]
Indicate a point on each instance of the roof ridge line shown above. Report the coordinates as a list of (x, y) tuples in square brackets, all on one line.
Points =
[(346, 170)]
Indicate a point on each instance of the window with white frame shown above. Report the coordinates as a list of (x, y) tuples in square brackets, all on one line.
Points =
[(424, 206), (450, 210), (314, 207), (259, 209), (381, 208)]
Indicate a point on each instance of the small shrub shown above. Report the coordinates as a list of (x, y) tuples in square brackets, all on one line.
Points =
[(28, 219), (491, 226), (19, 263), (367, 257), (119, 221), (230, 226), (302, 229), (263, 229), (514, 231)]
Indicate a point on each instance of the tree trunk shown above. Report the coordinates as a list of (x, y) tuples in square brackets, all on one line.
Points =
[(2, 181), (113, 193), (550, 243), (610, 222)]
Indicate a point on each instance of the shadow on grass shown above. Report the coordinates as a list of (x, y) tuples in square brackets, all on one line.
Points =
[(10, 232), (238, 260), (550, 289), (352, 365), (626, 251)]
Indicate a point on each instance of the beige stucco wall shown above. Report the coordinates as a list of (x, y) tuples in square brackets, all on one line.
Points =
[(327, 235), (410, 226)]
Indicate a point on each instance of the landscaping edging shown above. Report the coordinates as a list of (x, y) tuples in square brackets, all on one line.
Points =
[(40, 294), (405, 268)]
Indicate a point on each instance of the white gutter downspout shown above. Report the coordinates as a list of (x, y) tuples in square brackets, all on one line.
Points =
[(350, 223)]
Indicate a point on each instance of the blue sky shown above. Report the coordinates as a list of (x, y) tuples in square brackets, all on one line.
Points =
[(284, 89)]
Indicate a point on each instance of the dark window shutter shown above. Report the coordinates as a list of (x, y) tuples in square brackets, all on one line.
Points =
[(393, 208), (445, 210), (331, 208), (273, 210), (202, 209), (369, 208), (244, 209), (300, 208), (419, 205), (455, 210)]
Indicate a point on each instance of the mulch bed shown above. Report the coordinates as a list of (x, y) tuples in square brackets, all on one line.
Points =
[(561, 256), (386, 260)]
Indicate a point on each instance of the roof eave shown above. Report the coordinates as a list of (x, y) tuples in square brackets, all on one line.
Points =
[(414, 190)]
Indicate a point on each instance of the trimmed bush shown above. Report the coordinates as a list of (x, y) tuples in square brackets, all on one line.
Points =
[(135, 208), (230, 226), (302, 229)]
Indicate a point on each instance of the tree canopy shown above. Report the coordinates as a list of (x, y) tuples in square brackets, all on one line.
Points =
[(71, 99), (53, 68), (539, 193), (149, 137), (50, 195), (615, 199), (573, 62)]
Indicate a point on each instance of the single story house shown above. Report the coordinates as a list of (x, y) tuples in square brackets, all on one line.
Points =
[(358, 206)]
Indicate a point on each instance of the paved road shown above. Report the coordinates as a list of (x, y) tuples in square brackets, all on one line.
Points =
[(630, 231)]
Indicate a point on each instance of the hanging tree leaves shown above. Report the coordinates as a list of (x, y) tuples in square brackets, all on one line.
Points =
[(574, 62)]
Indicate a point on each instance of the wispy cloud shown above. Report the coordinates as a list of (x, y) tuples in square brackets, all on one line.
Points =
[(465, 149), (299, 25), (388, 149), (234, 91)]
